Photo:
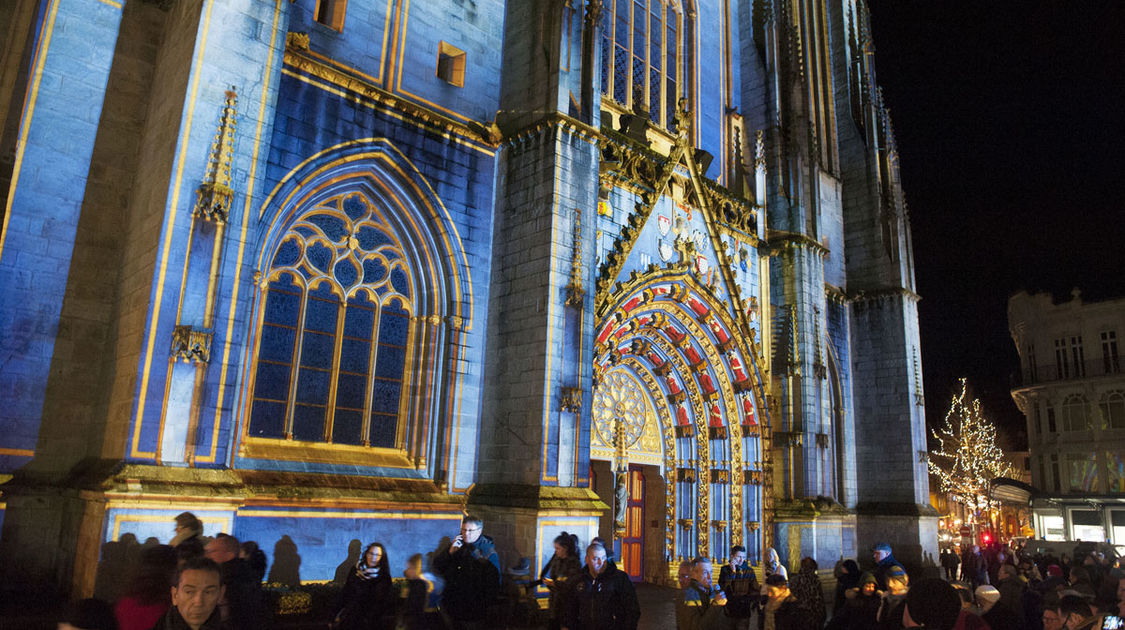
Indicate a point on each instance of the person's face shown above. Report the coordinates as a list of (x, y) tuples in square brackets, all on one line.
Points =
[(738, 559), (217, 552), (1051, 620), (869, 588), (470, 532), (560, 551), (374, 555), (413, 570), (702, 573), (777, 592), (1072, 621), (595, 561), (196, 595), (879, 554)]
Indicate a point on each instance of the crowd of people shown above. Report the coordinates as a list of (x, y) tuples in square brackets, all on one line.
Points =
[(216, 584)]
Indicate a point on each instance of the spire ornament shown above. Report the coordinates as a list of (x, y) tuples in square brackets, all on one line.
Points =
[(214, 195)]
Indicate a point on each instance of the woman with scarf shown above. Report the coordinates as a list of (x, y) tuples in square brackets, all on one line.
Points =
[(773, 564), (367, 602), (558, 576)]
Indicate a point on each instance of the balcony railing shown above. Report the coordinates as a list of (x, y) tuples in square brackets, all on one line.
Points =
[(1050, 372)]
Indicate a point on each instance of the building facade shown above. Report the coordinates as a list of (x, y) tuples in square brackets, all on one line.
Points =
[(326, 271), (1072, 391)]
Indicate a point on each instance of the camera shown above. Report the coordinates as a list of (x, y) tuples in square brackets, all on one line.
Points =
[(1112, 622)]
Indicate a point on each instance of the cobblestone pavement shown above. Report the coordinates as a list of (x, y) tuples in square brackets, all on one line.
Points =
[(658, 607)]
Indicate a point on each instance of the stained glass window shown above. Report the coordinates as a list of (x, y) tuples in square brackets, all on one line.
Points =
[(333, 347), (1083, 472), (1115, 469)]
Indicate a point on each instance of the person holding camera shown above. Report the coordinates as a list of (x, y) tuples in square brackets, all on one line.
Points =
[(471, 568)]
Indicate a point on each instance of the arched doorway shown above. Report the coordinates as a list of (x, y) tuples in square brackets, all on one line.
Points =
[(677, 402)]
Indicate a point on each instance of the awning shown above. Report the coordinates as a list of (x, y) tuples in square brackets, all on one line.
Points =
[(1007, 490)]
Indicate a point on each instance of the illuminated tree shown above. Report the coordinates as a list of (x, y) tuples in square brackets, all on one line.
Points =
[(967, 458)]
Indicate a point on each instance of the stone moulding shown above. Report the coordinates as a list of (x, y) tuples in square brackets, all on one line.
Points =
[(573, 501), (298, 58)]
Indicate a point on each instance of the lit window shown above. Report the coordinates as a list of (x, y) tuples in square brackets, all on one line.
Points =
[(1083, 472), (336, 328), (451, 64), (331, 13), (646, 64)]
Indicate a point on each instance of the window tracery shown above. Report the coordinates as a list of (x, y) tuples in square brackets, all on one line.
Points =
[(336, 328)]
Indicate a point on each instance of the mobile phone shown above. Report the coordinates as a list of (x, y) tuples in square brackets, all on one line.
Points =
[(1112, 622)]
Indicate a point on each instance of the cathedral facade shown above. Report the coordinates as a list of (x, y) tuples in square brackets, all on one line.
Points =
[(321, 271)]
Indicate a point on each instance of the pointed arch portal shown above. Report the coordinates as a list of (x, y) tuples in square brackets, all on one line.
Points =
[(677, 385)]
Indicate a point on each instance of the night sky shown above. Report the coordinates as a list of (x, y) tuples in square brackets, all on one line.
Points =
[(1010, 122)]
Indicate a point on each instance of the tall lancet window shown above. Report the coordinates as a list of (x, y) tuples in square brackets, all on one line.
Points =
[(646, 60)]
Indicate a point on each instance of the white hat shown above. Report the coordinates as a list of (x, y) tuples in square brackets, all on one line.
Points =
[(987, 596)]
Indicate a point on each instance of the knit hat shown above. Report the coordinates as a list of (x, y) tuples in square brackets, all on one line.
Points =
[(934, 604), (867, 578), (896, 572), (1054, 570), (881, 547), (987, 596)]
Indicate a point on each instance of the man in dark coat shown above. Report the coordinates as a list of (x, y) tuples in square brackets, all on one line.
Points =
[(701, 605), (950, 562), (738, 581), (603, 597), (471, 568), (1012, 589), (974, 571), (884, 560), (195, 598)]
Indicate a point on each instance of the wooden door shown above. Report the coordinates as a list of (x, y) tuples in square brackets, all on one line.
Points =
[(632, 544)]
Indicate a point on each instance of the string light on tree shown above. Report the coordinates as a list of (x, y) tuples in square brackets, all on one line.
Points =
[(968, 457)]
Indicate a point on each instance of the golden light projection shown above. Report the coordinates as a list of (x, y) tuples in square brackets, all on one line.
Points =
[(619, 399)]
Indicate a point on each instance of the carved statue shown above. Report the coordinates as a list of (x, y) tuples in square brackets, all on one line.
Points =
[(621, 494)]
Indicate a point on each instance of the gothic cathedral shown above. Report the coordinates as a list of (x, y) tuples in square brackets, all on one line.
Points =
[(326, 271)]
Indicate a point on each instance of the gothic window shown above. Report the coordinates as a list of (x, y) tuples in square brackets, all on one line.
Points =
[(334, 345), (645, 56), (1051, 425), (1075, 414), (1113, 410)]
